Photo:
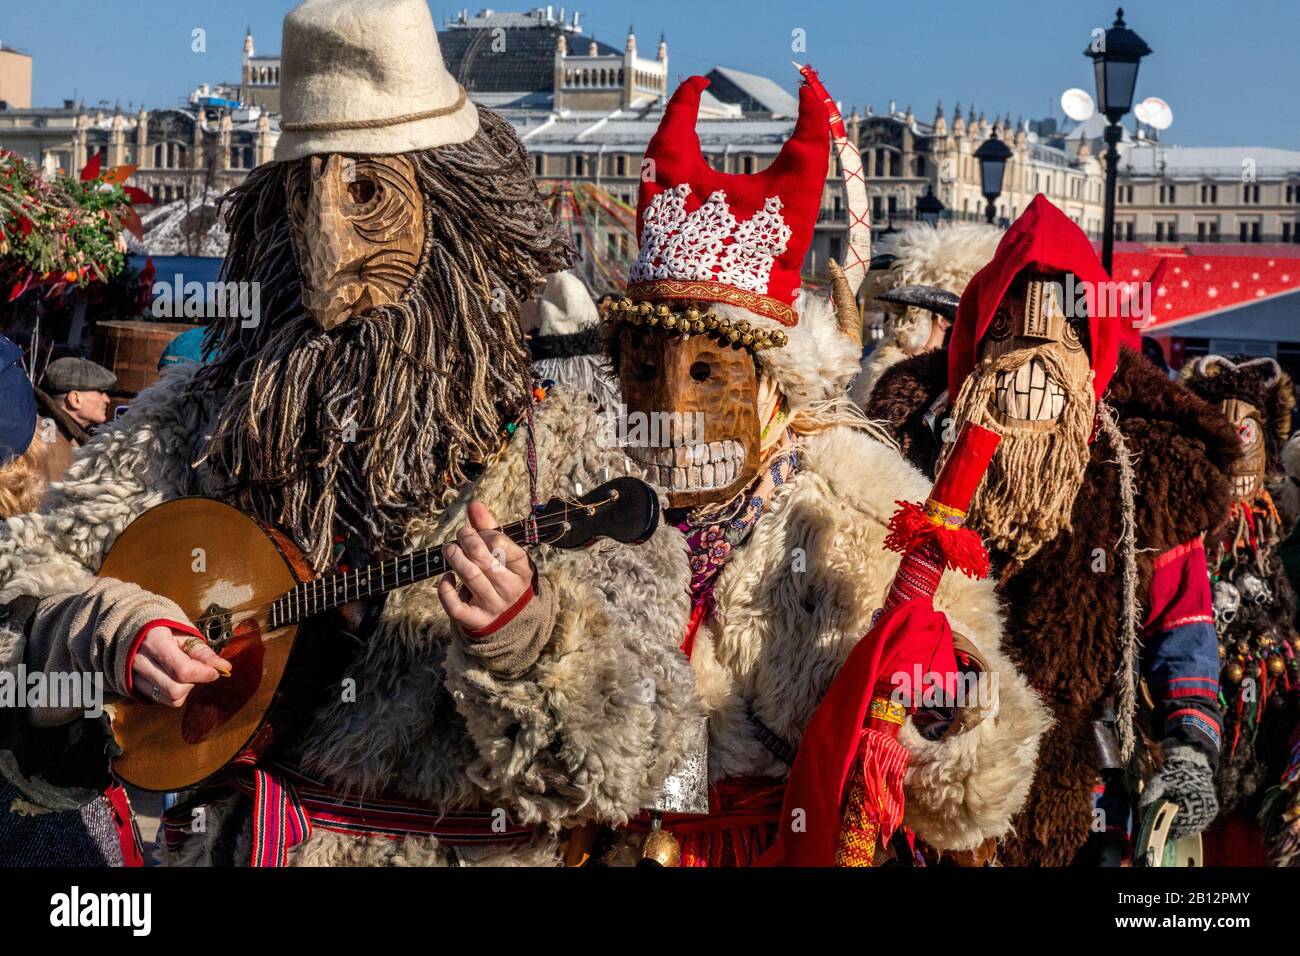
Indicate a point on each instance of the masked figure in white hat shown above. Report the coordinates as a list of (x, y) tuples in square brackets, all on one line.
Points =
[(942, 258), (563, 327), (383, 384)]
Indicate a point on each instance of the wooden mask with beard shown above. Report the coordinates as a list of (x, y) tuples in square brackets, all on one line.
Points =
[(1032, 384), (692, 412), (358, 231), (1049, 347)]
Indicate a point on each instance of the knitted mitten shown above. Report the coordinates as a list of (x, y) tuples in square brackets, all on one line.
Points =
[(1187, 780)]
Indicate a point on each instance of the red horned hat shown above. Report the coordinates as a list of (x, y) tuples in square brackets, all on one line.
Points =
[(738, 239), (1043, 240)]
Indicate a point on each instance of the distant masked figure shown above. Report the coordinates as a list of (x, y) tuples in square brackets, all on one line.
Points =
[(565, 341), (1254, 608)]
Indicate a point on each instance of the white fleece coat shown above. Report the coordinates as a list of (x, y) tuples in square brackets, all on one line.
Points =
[(588, 734), (794, 600)]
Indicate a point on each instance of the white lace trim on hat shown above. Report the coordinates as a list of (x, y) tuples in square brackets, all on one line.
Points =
[(709, 245)]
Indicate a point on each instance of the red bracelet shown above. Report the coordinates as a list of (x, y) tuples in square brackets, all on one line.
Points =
[(506, 616)]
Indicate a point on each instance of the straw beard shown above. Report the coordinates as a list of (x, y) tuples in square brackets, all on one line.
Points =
[(1027, 495), (362, 428)]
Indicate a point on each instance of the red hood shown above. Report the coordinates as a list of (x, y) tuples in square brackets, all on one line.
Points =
[(1044, 240)]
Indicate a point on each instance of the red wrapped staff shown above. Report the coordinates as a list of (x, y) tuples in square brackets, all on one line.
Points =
[(844, 796)]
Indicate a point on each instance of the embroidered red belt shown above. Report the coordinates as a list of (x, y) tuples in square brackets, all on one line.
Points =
[(288, 806), (740, 825)]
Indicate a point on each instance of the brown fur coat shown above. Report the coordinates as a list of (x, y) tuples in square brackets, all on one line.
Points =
[(1064, 604)]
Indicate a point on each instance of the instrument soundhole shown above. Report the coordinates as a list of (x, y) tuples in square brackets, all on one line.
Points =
[(210, 706), (216, 626)]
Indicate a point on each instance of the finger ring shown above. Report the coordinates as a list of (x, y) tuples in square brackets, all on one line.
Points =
[(156, 691), (190, 643)]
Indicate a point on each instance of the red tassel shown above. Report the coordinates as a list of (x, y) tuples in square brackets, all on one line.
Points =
[(873, 806), (961, 548)]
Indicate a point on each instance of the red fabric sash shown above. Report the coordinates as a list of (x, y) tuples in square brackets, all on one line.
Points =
[(128, 838), (288, 806), (809, 826), (740, 824)]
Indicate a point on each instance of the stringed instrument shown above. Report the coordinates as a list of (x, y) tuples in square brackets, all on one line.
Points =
[(247, 588)]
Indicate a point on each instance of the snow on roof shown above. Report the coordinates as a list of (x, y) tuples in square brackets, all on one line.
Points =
[(766, 91), (1209, 160), (711, 107), (630, 131), (168, 230)]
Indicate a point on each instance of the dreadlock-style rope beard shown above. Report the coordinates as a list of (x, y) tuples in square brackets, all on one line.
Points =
[(1027, 495), (362, 428)]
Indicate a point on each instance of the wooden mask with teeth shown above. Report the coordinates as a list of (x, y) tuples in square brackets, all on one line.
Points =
[(358, 230), (691, 403), (1034, 318), (1248, 470)]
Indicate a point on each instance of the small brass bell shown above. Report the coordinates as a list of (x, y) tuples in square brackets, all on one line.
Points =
[(1235, 672), (659, 848), (1276, 666)]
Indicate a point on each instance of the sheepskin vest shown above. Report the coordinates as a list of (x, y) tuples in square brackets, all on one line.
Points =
[(1064, 605)]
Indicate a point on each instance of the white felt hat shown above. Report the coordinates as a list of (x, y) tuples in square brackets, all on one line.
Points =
[(366, 76), (565, 306)]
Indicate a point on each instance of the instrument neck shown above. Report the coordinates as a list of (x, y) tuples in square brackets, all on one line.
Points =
[(330, 591)]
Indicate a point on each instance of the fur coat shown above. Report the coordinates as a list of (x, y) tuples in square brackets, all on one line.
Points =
[(795, 598), (1063, 627), (587, 734)]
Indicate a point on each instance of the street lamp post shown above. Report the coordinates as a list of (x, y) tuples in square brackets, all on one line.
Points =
[(992, 155), (929, 208), (1115, 58)]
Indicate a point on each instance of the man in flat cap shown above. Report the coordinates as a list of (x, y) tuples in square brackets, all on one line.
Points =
[(77, 394)]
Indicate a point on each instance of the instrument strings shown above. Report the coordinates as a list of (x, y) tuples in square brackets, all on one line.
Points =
[(513, 531)]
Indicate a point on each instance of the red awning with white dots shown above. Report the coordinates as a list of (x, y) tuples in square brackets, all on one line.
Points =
[(1200, 280)]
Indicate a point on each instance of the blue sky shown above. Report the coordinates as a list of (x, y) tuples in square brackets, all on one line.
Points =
[(1228, 69)]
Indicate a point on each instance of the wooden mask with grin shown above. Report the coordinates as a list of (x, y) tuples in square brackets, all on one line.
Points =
[(358, 231), (695, 400), (1032, 319)]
